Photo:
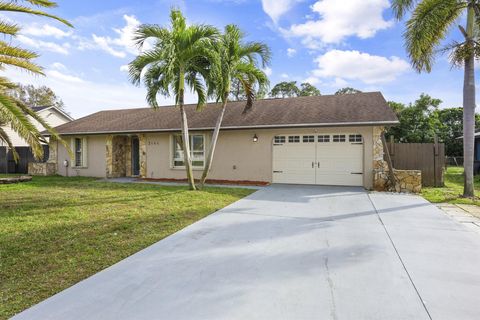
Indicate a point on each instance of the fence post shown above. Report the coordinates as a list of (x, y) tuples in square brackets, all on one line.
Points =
[(391, 174)]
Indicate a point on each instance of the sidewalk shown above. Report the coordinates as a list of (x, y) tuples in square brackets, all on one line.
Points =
[(466, 214)]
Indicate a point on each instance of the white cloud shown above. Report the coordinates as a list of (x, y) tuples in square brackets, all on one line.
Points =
[(103, 44), (312, 80), (45, 31), (123, 44), (58, 66), (354, 65), (44, 45), (83, 97), (124, 68), (284, 75), (291, 52), (63, 77), (277, 8), (341, 19), (268, 71)]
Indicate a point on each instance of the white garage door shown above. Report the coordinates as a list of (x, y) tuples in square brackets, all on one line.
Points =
[(325, 159)]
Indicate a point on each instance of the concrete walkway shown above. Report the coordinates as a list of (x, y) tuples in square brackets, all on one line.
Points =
[(293, 252)]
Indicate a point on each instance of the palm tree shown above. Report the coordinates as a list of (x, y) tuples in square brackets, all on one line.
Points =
[(428, 26), (181, 56), (238, 62), (13, 112)]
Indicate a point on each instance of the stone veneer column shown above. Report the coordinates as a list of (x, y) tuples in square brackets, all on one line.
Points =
[(142, 140), (109, 155), (52, 150), (380, 178), (128, 156)]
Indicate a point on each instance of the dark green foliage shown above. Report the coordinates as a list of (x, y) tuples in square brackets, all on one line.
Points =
[(347, 90), (421, 120), (290, 89), (307, 90)]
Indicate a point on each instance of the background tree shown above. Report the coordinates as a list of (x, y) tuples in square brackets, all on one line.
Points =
[(181, 57), (36, 96), (13, 112), (428, 26), (237, 60), (238, 93), (306, 89), (418, 121), (285, 89), (347, 90)]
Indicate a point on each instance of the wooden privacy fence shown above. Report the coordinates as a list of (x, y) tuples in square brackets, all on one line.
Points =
[(428, 157)]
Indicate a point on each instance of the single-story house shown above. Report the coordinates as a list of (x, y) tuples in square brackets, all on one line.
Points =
[(325, 140), (53, 116)]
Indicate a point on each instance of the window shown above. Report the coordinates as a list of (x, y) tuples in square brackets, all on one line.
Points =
[(293, 139), (197, 151), (79, 147), (279, 139), (324, 138), (355, 138), (338, 138), (308, 138)]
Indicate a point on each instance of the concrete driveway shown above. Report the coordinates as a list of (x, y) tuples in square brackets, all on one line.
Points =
[(293, 252)]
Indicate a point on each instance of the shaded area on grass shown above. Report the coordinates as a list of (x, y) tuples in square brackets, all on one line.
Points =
[(56, 231), (453, 189)]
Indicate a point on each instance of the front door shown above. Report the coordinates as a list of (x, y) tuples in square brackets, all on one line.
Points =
[(135, 156)]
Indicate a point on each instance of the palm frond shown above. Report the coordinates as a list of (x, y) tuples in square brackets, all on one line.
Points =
[(401, 7), (16, 52), (9, 28), (6, 84), (428, 26), (13, 7), (21, 63), (43, 3)]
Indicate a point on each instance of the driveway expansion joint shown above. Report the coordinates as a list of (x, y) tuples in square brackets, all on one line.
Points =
[(399, 257)]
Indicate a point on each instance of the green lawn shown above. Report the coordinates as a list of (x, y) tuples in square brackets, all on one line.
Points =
[(452, 192), (56, 231)]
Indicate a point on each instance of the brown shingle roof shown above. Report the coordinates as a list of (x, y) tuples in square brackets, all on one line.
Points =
[(332, 110)]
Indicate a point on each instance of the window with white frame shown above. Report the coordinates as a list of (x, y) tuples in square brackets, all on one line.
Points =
[(79, 148), (293, 139), (197, 151), (307, 139), (324, 138), (355, 138), (279, 139), (338, 138)]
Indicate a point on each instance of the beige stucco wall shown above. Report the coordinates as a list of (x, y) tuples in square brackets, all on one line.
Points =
[(96, 158), (237, 157)]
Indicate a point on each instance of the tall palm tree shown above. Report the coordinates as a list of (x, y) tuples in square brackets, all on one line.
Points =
[(181, 56), (238, 61), (429, 24), (14, 113)]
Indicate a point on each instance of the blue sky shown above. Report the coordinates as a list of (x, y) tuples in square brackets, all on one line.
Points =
[(330, 43)]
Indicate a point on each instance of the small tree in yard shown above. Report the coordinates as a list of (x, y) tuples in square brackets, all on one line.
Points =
[(428, 26), (181, 57), (238, 63)]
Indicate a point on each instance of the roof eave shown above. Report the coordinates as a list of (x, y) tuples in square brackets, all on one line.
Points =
[(302, 125)]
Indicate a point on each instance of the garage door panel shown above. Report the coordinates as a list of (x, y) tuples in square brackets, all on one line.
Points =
[(323, 162)]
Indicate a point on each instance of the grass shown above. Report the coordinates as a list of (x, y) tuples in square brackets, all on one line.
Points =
[(453, 189), (56, 231)]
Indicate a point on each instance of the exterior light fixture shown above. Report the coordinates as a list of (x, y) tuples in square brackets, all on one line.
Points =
[(255, 138)]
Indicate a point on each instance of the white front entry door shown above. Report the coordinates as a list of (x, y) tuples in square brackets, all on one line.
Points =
[(325, 159)]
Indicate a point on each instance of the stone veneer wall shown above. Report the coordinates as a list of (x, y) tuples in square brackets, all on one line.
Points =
[(142, 141), (46, 168), (118, 156), (406, 180)]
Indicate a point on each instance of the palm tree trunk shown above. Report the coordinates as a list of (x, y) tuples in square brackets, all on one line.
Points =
[(185, 136), (213, 144), (469, 111)]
